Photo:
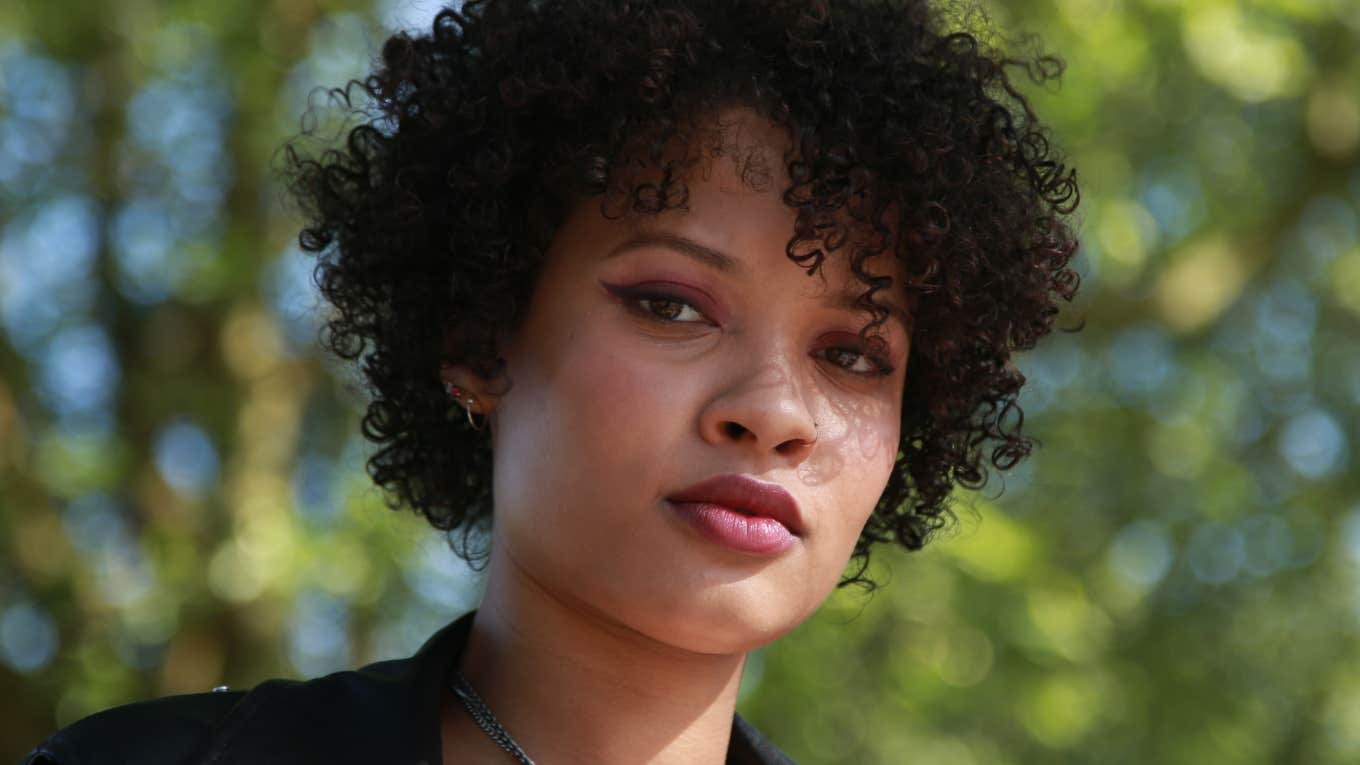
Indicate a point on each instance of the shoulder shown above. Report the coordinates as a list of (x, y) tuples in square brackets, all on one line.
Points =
[(344, 717), (383, 712), (353, 716), (170, 730)]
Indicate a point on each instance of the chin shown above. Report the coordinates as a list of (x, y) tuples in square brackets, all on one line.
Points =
[(729, 619)]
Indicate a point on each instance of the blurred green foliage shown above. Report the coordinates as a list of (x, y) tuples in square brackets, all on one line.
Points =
[(1174, 577)]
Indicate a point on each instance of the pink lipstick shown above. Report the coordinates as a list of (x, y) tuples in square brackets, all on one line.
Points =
[(740, 513)]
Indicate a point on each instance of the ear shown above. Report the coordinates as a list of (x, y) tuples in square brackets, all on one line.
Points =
[(482, 394)]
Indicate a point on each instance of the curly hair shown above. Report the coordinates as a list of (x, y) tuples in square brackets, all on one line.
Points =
[(476, 139)]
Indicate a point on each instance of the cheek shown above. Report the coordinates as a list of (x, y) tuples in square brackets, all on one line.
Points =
[(614, 404), (877, 446), (859, 451), (584, 418), (884, 448)]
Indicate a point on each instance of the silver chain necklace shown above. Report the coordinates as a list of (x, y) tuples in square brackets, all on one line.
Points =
[(481, 714)]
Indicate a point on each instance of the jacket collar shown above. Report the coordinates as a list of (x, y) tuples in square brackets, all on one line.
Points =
[(384, 712)]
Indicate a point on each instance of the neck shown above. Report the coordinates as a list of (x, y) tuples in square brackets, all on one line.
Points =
[(572, 686)]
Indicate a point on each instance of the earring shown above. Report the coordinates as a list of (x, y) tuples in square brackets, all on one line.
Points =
[(457, 394)]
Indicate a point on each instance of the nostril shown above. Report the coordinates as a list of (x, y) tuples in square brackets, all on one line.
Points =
[(733, 429)]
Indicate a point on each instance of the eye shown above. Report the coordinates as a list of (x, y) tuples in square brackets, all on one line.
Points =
[(658, 306), (857, 362), (668, 308)]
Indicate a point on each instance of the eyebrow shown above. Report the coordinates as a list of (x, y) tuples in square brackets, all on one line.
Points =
[(683, 245), (728, 265)]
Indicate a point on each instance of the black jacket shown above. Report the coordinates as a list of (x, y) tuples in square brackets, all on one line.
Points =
[(385, 713)]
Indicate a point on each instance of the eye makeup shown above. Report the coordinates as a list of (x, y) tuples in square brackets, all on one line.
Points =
[(667, 305), (654, 292)]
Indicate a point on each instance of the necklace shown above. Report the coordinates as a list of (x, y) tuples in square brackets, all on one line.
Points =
[(481, 714)]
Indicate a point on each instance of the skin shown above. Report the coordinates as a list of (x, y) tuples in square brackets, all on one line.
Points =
[(612, 632)]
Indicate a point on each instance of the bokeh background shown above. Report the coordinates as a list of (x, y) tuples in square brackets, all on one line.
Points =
[(1174, 577)]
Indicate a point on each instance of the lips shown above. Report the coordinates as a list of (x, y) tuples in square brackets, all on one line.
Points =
[(746, 496)]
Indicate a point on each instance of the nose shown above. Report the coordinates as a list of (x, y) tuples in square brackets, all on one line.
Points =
[(763, 408)]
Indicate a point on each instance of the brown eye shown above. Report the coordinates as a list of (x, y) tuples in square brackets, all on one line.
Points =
[(660, 307), (855, 362), (663, 308)]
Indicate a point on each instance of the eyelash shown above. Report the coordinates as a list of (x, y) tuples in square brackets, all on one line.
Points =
[(634, 300)]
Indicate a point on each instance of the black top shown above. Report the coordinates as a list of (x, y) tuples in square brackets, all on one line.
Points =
[(387, 712)]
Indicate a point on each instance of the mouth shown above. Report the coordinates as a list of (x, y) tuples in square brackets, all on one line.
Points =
[(736, 531), (746, 496)]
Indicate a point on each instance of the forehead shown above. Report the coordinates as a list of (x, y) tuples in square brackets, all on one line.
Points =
[(735, 174)]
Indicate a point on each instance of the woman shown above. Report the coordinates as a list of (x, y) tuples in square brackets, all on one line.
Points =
[(699, 300)]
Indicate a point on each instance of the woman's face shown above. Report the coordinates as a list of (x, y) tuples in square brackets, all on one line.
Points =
[(661, 351)]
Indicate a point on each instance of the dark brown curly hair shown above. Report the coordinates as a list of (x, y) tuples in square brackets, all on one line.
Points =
[(478, 137)]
